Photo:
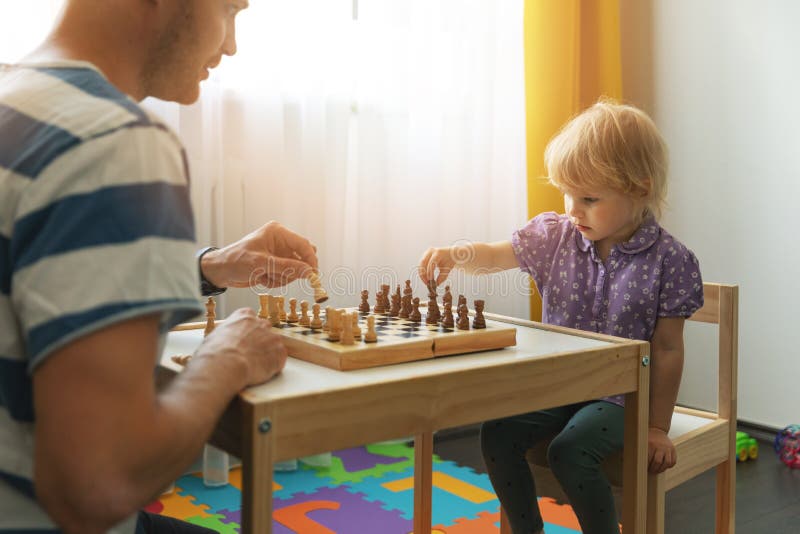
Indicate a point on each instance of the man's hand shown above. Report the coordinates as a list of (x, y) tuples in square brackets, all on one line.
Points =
[(271, 256), (250, 340), (661, 452)]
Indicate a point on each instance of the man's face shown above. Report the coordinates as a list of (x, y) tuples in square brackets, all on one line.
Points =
[(196, 36)]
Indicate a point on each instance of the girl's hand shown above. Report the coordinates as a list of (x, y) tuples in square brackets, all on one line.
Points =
[(441, 260), (661, 452)]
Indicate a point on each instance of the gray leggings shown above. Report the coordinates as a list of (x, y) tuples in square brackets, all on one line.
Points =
[(586, 433)]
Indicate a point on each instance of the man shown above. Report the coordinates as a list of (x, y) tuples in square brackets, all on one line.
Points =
[(97, 262)]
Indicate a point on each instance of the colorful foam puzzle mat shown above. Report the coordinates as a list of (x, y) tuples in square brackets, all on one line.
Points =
[(365, 490)]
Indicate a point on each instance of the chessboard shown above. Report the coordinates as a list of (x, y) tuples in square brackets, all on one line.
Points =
[(399, 340)]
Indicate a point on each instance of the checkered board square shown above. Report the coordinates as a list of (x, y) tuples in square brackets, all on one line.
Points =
[(399, 340)]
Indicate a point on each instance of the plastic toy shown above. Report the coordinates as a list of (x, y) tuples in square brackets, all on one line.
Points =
[(787, 446), (746, 447)]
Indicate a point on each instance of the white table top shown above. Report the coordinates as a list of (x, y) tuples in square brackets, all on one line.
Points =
[(300, 378)]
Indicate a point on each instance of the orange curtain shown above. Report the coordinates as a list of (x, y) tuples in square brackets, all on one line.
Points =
[(572, 57)]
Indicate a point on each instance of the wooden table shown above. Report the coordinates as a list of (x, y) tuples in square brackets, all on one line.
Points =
[(310, 409)]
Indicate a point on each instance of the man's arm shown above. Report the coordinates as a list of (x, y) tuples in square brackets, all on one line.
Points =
[(665, 380), (107, 442)]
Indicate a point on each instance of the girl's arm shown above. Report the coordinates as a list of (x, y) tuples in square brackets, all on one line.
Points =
[(473, 258), (665, 379)]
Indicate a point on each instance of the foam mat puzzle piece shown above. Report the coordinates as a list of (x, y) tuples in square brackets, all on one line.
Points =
[(182, 506), (485, 523), (370, 454), (338, 510), (304, 480), (215, 523), (560, 515), (217, 498), (395, 491)]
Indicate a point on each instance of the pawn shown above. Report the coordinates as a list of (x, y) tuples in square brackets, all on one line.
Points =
[(347, 330), (274, 312), (394, 310), (463, 318), (334, 328), (292, 317), (479, 321), (379, 307), (304, 320), (415, 315), (281, 308), (447, 319), (364, 306), (326, 326), (211, 306), (263, 306), (316, 322), (356, 328), (371, 336)]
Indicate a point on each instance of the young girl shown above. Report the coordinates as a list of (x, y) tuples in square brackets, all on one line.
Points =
[(606, 266)]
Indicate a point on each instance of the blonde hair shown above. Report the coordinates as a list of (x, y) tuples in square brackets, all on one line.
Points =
[(611, 146)]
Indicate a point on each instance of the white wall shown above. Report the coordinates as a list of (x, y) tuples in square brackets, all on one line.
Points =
[(722, 80)]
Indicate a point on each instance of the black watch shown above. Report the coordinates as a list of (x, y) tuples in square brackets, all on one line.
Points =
[(207, 288)]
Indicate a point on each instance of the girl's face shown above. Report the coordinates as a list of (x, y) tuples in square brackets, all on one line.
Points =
[(604, 216)]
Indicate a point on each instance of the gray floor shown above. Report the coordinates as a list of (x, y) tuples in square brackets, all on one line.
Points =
[(767, 492)]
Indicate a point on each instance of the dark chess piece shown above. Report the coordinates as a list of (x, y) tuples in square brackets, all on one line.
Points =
[(364, 306), (385, 290), (394, 310), (415, 315), (447, 318), (463, 317), (405, 307), (379, 308), (433, 314), (479, 321), (448, 297)]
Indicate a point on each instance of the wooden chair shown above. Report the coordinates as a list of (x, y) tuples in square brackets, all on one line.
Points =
[(703, 440)]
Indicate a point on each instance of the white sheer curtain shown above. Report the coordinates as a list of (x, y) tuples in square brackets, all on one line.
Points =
[(375, 127)]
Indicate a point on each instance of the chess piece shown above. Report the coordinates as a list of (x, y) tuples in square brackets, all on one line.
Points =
[(326, 326), (334, 328), (462, 300), (320, 295), (292, 317), (356, 328), (479, 321), (347, 337), (316, 322), (211, 306), (263, 306), (415, 315), (304, 320), (274, 312), (181, 359), (371, 336), (281, 308), (385, 290), (433, 315), (364, 306), (447, 319), (463, 317), (394, 310), (379, 307), (448, 297), (405, 308)]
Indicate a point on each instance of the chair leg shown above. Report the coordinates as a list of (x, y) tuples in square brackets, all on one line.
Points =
[(505, 528), (656, 491), (726, 497)]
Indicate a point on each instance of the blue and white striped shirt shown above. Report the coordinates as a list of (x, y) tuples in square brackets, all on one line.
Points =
[(96, 228)]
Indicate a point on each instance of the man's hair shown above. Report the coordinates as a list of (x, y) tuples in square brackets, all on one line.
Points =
[(611, 146)]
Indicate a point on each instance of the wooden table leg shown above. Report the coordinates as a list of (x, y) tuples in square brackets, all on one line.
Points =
[(423, 482), (634, 465), (257, 475)]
